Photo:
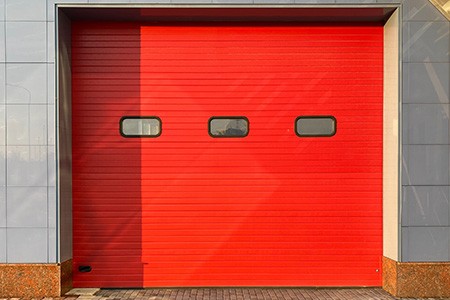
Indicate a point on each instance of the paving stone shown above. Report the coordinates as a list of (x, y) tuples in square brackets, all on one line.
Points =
[(231, 294)]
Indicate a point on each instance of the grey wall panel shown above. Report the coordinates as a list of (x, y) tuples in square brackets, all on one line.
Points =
[(3, 209), (52, 214), (2, 245), (352, 1), (26, 10), (426, 82), (25, 82), (2, 82), (3, 174), (27, 166), (27, 207), (52, 243), (2, 10), (26, 41), (233, 1), (426, 41), (192, 1), (417, 126), (2, 42), (271, 1), (150, 1), (2, 127), (426, 79), (426, 206), (426, 243), (420, 10), (389, 1), (51, 79), (27, 125), (26, 110), (314, 1), (425, 165), (51, 165), (26, 245), (51, 40)]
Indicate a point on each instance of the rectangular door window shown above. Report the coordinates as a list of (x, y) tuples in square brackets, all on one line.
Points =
[(231, 127), (315, 126), (140, 126)]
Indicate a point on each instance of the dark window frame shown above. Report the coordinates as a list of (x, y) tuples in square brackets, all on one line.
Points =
[(228, 136), (139, 135), (315, 135)]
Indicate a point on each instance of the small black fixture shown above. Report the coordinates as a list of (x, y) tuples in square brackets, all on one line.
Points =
[(84, 269)]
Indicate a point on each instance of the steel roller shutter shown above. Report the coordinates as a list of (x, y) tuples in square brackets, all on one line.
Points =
[(186, 209)]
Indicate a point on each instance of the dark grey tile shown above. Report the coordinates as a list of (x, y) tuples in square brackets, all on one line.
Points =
[(426, 206), (425, 123), (426, 83), (425, 165), (421, 10), (425, 244), (426, 42)]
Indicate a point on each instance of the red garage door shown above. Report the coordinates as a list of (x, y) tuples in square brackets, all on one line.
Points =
[(260, 198)]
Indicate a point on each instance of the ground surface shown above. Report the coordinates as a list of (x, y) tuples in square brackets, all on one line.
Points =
[(229, 294)]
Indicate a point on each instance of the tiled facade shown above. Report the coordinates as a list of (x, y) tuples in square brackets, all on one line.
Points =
[(425, 227), (28, 165), (27, 113)]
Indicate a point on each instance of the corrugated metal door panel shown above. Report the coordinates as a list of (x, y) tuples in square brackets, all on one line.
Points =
[(186, 209)]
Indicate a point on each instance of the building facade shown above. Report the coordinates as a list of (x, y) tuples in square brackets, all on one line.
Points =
[(50, 91)]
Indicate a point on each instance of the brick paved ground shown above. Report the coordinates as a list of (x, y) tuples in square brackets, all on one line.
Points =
[(249, 294), (232, 294)]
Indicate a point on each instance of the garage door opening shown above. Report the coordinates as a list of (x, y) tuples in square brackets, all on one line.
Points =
[(271, 208)]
